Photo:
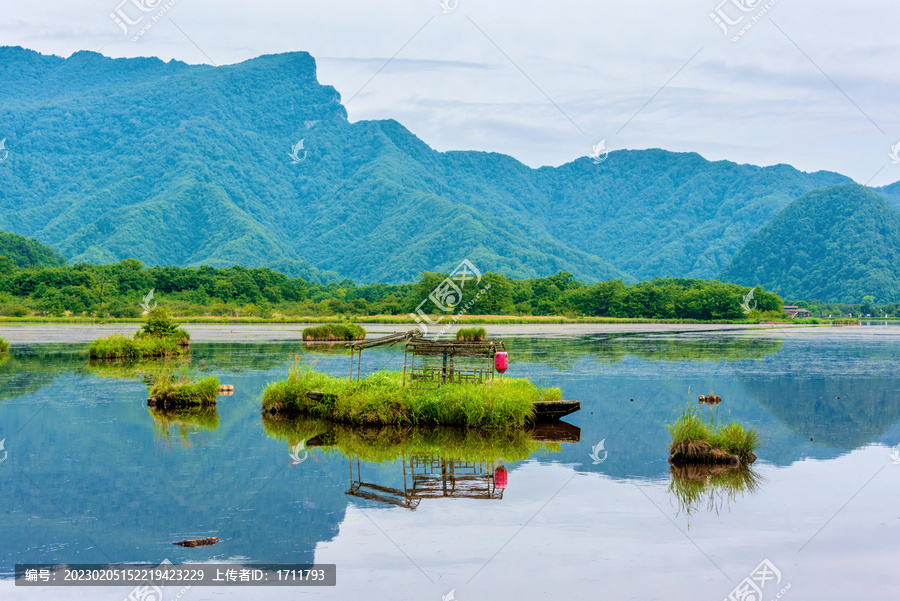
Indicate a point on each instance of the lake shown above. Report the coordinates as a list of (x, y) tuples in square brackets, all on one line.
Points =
[(90, 475)]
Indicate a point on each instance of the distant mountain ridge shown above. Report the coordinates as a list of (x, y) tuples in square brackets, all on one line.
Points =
[(183, 164), (838, 243)]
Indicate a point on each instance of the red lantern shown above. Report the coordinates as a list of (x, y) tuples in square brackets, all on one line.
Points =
[(501, 361), (500, 477)]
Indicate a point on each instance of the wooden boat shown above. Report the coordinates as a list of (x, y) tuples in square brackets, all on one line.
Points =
[(547, 411)]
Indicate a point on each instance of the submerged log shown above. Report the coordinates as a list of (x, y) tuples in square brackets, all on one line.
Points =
[(226, 390), (198, 542)]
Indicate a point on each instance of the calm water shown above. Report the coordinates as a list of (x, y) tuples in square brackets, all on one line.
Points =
[(90, 476)]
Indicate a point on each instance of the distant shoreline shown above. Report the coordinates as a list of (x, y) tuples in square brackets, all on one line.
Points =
[(398, 319)]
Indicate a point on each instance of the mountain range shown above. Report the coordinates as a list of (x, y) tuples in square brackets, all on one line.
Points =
[(257, 164)]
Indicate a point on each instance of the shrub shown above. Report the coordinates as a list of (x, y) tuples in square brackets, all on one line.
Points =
[(160, 325), (14, 310)]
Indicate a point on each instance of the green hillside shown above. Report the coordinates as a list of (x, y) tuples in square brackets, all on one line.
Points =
[(836, 244), (177, 164), (25, 252)]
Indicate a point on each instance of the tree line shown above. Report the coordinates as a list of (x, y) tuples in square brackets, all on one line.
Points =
[(120, 289)]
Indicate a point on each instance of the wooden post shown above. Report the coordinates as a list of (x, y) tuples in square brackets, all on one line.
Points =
[(405, 353)]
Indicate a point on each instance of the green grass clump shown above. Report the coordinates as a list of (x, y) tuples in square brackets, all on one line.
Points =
[(381, 444), (699, 440), (334, 331), (118, 346), (184, 390), (4, 346), (471, 334), (381, 399)]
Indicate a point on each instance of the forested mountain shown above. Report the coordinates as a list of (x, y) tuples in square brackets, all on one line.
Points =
[(178, 164), (891, 194), (839, 243), (25, 252)]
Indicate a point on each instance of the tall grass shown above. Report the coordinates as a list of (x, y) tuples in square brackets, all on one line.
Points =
[(471, 334), (699, 440), (382, 444), (118, 346), (4, 346), (381, 399), (334, 331)]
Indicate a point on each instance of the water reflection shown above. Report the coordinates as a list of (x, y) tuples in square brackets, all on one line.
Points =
[(430, 477), (710, 487), (391, 443), (180, 424), (434, 462)]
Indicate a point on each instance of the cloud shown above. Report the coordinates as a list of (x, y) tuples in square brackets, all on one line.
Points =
[(480, 77)]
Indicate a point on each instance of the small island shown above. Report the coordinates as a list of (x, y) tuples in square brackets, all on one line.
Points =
[(443, 383), (158, 337), (333, 332), (696, 440)]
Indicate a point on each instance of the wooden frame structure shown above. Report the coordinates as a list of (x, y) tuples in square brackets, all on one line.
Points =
[(448, 372), (430, 376)]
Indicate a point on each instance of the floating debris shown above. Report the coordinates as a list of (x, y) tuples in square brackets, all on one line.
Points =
[(198, 542)]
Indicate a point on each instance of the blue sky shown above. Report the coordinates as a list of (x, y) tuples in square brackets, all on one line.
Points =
[(813, 84)]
